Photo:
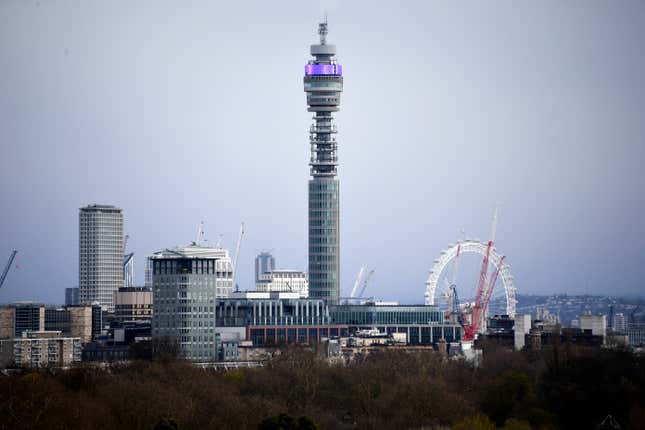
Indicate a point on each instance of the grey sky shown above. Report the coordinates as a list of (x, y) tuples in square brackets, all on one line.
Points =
[(186, 111)]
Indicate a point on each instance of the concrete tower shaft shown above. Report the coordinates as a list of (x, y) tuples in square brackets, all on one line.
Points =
[(323, 83)]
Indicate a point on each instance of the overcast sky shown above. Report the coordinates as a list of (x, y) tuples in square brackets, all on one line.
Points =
[(183, 111)]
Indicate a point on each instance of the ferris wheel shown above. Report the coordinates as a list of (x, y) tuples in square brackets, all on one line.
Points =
[(450, 256), (443, 292)]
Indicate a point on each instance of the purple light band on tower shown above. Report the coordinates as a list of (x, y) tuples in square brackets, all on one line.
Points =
[(323, 69)]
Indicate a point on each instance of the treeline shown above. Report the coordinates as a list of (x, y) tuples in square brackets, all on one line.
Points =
[(565, 388)]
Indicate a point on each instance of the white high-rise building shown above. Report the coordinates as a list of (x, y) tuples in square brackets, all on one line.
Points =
[(100, 254)]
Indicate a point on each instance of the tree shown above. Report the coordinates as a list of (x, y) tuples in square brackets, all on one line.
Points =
[(478, 422), (287, 422)]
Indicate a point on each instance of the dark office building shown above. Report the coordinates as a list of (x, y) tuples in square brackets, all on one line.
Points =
[(422, 324), (29, 316)]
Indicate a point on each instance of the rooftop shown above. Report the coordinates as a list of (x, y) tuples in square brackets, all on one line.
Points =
[(100, 208), (192, 251)]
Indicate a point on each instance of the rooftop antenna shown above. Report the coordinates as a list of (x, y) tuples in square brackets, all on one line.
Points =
[(237, 251), (494, 229), (200, 234), (322, 30)]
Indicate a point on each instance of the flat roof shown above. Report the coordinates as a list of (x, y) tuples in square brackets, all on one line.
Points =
[(100, 208), (191, 251)]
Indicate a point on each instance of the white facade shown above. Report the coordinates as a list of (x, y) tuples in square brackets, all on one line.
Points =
[(285, 280), (522, 327), (619, 323), (100, 265), (266, 295), (596, 323)]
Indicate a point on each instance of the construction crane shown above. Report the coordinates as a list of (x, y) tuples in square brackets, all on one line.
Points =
[(454, 304), (237, 251), (367, 278), (200, 235), (483, 293), (7, 267), (358, 282), (491, 285)]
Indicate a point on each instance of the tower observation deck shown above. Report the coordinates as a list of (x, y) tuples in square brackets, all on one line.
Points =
[(323, 84)]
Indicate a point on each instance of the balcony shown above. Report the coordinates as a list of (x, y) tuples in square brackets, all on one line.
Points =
[(323, 128)]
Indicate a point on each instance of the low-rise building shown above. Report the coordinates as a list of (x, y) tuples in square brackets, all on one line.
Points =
[(596, 323), (521, 327), (28, 317), (83, 322), (133, 304), (273, 320), (284, 280), (270, 279), (499, 324), (619, 324), (19, 317), (422, 324), (7, 322), (37, 349), (636, 334), (545, 336), (72, 321)]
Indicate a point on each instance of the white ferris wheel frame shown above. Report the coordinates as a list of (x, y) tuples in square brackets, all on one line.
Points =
[(472, 247)]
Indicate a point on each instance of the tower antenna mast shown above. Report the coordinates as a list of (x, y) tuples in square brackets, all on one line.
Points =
[(322, 30), (323, 84)]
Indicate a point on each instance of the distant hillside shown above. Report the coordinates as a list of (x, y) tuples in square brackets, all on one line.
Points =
[(569, 307)]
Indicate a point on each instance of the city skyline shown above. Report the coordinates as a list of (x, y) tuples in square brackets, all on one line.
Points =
[(171, 119)]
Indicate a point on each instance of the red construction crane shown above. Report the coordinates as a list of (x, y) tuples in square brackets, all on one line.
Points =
[(483, 292), (471, 330)]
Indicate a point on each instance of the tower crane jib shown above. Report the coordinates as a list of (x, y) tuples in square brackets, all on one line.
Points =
[(7, 267), (237, 251)]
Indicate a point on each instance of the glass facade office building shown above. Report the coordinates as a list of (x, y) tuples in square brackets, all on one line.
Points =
[(372, 315), (186, 283), (255, 312), (279, 321), (423, 325)]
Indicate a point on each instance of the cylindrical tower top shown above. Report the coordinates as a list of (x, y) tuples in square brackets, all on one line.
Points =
[(323, 83)]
